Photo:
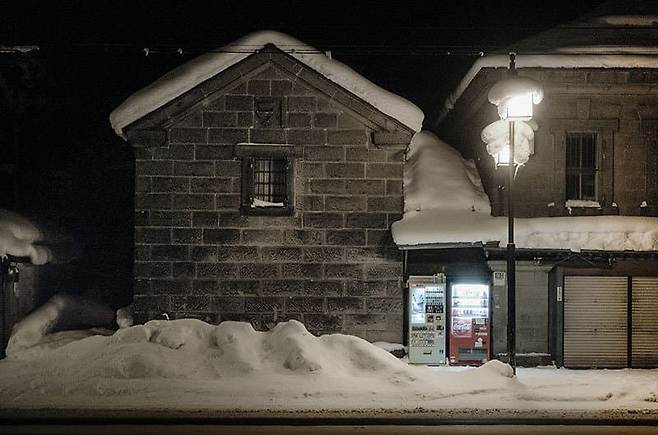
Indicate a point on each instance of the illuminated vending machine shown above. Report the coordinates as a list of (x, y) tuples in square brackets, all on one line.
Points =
[(469, 324), (427, 322)]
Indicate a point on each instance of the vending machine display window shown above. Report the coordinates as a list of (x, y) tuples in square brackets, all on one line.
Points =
[(470, 326)]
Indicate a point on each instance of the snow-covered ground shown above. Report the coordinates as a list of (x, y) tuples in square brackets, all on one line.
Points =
[(189, 365)]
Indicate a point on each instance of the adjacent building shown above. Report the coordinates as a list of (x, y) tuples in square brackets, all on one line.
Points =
[(587, 274)]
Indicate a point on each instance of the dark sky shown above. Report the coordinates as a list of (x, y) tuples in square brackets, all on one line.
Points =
[(401, 45)]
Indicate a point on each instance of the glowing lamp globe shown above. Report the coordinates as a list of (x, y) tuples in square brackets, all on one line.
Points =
[(515, 97)]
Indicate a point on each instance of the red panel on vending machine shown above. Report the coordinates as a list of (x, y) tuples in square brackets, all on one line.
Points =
[(469, 324)]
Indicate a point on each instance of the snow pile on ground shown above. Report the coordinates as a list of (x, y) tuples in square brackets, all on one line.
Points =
[(191, 348), (196, 71), (189, 365), (445, 203), (19, 237), (390, 347), (60, 315)]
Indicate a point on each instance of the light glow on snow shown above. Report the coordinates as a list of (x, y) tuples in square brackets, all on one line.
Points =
[(445, 203), (187, 76)]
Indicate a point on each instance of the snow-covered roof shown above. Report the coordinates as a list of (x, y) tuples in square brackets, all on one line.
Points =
[(445, 203), (196, 71), (550, 61), (613, 35)]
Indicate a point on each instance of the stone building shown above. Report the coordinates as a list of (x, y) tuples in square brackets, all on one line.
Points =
[(587, 302), (267, 179)]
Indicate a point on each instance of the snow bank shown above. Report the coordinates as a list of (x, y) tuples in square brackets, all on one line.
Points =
[(19, 237), (445, 203), (196, 71), (61, 312), (190, 364), (190, 348)]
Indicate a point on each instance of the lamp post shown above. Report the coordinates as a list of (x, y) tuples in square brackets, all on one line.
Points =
[(514, 97)]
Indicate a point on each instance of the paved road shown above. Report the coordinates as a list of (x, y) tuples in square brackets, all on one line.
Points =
[(121, 429)]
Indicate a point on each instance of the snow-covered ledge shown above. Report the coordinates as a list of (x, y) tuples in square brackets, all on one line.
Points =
[(445, 203)]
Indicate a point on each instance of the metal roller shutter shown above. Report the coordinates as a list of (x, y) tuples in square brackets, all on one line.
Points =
[(645, 322), (595, 321)]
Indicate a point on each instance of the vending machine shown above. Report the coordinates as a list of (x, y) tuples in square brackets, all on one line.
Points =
[(470, 335), (427, 301)]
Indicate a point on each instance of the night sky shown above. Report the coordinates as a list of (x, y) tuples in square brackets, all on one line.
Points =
[(60, 159), (400, 45)]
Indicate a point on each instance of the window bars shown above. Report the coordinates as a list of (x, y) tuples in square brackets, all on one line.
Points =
[(270, 180), (581, 166)]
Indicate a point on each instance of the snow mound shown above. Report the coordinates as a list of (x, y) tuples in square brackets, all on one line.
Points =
[(19, 237), (193, 349), (496, 368), (196, 71), (61, 312), (454, 183), (445, 203), (390, 347), (189, 364)]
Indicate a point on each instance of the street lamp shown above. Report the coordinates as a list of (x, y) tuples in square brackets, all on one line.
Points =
[(515, 97)]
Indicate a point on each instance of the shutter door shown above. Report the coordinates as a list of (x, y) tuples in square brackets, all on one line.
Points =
[(645, 322), (595, 321)]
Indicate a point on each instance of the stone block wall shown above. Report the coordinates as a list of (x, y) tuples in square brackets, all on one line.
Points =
[(332, 264), (620, 105)]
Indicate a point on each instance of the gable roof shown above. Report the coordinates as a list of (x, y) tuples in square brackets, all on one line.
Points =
[(189, 75), (614, 35)]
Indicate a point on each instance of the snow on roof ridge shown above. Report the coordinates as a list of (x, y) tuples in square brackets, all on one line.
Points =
[(548, 61), (190, 74)]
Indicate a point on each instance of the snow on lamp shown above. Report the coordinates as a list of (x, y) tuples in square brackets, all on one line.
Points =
[(515, 97), (496, 135)]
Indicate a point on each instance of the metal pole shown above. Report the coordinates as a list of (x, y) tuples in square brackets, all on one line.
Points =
[(511, 266)]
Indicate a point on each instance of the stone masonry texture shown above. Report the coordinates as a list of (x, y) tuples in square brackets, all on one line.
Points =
[(332, 264)]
